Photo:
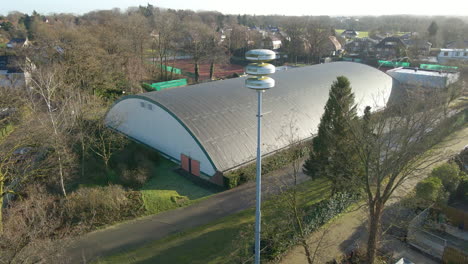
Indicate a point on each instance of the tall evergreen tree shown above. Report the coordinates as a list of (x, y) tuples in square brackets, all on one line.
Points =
[(433, 28), (332, 154)]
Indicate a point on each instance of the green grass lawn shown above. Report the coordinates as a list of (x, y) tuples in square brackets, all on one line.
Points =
[(214, 242), (365, 34), (168, 190)]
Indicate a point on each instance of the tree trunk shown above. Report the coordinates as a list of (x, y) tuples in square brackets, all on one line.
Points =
[(62, 183), (196, 72), (374, 232), (212, 69), (1, 206), (307, 251), (83, 149)]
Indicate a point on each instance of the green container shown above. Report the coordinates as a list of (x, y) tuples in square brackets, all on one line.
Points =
[(437, 67), (393, 63), (169, 84)]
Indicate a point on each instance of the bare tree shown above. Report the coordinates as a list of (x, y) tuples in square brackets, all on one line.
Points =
[(316, 37), (218, 51), (196, 43), (289, 201), (103, 141), (53, 101), (165, 35), (389, 144)]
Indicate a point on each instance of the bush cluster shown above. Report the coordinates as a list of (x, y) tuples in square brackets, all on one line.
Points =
[(445, 181), (97, 206), (279, 236)]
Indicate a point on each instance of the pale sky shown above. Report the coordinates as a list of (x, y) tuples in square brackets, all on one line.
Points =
[(288, 7)]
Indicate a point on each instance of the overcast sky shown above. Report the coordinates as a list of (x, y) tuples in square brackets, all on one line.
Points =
[(285, 7)]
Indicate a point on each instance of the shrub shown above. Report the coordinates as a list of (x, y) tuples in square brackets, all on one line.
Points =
[(429, 189), (462, 190), (30, 224), (96, 206), (135, 178), (449, 174), (147, 87), (279, 234), (273, 162)]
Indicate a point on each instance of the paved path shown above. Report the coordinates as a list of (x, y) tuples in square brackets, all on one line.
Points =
[(137, 232), (349, 230)]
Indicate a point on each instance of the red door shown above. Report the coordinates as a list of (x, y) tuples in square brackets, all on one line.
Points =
[(184, 162), (195, 167)]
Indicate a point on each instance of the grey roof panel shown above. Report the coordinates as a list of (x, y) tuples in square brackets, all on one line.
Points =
[(222, 114)]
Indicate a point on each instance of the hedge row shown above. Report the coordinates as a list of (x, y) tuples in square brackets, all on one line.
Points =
[(273, 162), (279, 239)]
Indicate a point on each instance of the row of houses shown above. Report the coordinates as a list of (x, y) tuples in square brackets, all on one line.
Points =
[(387, 48), (398, 47)]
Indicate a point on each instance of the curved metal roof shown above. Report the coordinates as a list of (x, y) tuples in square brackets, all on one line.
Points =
[(222, 114)]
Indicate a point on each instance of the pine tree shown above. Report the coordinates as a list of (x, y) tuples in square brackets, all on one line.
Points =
[(433, 28), (332, 154)]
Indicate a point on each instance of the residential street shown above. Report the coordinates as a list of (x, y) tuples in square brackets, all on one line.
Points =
[(137, 232), (349, 230)]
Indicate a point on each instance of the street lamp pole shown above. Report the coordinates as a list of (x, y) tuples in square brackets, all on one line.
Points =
[(259, 82), (258, 191)]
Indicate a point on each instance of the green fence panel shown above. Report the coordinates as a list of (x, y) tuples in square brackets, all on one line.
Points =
[(351, 59), (169, 84), (437, 67), (393, 63), (171, 69)]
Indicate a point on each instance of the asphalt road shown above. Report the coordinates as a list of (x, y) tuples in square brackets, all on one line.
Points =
[(135, 233)]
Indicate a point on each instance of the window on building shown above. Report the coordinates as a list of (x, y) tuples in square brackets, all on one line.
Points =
[(142, 104), (457, 54), (446, 53), (150, 106), (466, 54)]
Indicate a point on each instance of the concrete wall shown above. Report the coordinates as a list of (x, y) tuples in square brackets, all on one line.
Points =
[(155, 127)]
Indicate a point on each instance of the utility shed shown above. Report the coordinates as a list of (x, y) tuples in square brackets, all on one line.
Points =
[(210, 128), (414, 77)]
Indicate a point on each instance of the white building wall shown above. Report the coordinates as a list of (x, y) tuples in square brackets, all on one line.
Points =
[(152, 125), (419, 80), (447, 55)]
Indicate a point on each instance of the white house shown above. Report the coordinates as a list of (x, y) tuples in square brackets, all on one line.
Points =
[(447, 55)]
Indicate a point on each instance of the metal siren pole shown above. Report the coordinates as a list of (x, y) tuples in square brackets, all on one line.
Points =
[(259, 82)]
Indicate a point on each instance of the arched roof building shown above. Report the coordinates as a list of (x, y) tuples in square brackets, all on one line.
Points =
[(214, 123)]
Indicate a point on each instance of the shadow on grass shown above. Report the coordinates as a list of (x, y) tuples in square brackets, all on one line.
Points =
[(209, 247), (166, 179)]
